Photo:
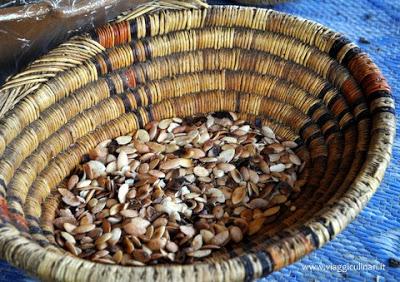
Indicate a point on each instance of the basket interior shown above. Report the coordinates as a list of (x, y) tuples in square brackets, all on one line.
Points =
[(309, 84)]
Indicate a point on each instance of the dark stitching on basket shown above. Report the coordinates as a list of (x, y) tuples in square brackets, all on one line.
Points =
[(350, 55), (11, 198), (147, 24), (332, 130), (111, 85), (324, 90), (314, 107), (378, 94), (133, 28), (343, 113), (127, 103), (266, 261), (93, 35), (362, 115), (107, 61), (326, 117), (338, 45), (316, 135), (150, 112), (138, 99), (14, 211), (139, 117), (237, 106), (96, 64), (307, 231), (248, 268), (384, 110), (258, 122), (304, 127)]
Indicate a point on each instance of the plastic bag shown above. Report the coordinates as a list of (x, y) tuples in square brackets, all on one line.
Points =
[(29, 28)]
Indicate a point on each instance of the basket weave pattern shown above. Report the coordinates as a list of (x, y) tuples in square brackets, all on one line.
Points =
[(308, 83)]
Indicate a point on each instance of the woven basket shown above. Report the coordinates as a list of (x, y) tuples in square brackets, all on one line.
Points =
[(310, 84)]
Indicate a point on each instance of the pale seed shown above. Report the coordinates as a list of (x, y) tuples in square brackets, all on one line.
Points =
[(235, 234)]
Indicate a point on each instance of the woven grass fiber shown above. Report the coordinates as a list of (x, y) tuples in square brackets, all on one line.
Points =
[(308, 83)]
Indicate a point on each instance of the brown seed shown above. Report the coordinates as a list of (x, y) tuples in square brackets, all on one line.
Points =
[(159, 232), (206, 235), (117, 257), (289, 144), (103, 238), (128, 245), (236, 176), (236, 234), (226, 167), (157, 173), (258, 204), (68, 237), (69, 227), (278, 199), (170, 164), (197, 242), (238, 195), (253, 176), (295, 159), (218, 212), (71, 201), (84, 228), (106, 226), (199, 253), (156, 147), (220, 238), (73, 180), (99, 206), (142, 148), (71, 248), (59, 222), (161, 221), (255, 225), (271, 211), (157, 244)]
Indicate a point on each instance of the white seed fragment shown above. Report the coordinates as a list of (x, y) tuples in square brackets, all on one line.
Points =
[(122, 160), (200, 171), (123, 140), (227, 155), (122, 192), (277, 168)]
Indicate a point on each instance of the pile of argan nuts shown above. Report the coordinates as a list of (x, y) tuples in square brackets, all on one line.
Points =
[(175, 191)]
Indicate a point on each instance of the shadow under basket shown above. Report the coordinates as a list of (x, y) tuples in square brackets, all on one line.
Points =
[(309, 84)]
